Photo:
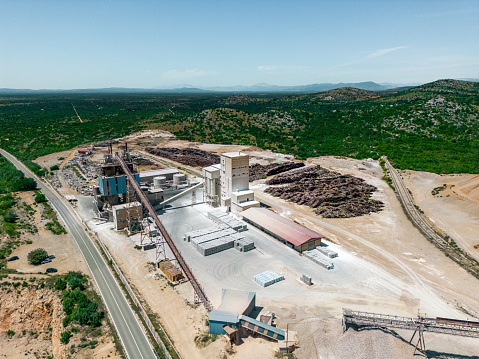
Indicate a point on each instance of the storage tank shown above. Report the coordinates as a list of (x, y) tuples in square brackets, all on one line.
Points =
[(178, 178), (159, 181)]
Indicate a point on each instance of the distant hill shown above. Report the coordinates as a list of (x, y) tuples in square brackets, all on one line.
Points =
[(312, 88), (258, 88), (433, 127)]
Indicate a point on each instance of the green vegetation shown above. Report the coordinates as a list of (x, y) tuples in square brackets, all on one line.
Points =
[(40, 197), (203, 339), (78, 307), (36, 256), (13, 180), (65, 338), (436, 190), (433, 127), (53, 225), (10, 333)]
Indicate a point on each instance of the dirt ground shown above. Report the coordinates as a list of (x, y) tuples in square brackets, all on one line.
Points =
[(67, 258), (454, 210), (67, 254), (419, 277)]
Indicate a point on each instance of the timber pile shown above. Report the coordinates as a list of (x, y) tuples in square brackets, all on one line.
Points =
[(189, 156), (331, 194), (258, 171)]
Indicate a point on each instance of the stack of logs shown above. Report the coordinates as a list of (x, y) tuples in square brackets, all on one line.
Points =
[(331, 194), (189, 156), (257, 171)]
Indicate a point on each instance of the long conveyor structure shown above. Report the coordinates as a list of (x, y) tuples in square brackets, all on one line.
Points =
[(199, 292), (420, 324)]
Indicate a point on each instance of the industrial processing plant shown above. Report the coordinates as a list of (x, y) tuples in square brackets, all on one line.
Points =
[(218, 237)]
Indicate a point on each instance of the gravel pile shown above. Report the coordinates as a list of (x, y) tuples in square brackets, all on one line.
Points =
[(324, 338)]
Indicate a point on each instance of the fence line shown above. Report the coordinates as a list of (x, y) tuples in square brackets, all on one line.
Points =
[(143, 314)]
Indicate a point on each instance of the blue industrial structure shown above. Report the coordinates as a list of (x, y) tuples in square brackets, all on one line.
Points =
[(114, 185), (234, 311)]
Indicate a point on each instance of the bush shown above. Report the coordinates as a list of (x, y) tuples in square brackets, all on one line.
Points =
[(66, 335), (36, 256), (10, 217), (60, 284), (10, 333), (40, 198), (67, 320), (54, 168)]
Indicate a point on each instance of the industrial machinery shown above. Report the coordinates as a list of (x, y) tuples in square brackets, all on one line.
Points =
[(200, 295)]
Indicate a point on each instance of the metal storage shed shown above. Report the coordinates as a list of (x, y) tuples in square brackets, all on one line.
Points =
[(233, 304), (286, 231)]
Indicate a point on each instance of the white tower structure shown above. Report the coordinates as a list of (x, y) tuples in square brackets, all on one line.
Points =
[(234, 175)]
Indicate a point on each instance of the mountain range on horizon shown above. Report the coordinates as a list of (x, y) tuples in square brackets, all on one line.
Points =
[(257, 88)]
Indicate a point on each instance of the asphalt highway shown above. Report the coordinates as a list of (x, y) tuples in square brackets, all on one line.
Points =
[(132, 336)]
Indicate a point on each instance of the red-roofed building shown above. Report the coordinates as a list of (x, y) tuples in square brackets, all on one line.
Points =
[(286, 231)]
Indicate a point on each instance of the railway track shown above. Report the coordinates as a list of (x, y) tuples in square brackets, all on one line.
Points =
[(429, 230)]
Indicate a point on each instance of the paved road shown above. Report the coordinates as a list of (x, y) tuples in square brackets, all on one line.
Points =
[(132, 336)]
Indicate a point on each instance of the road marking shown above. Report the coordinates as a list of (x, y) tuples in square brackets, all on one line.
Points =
[(75, 226)]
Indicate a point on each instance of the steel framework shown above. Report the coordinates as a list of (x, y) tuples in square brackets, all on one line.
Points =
[(200, 295), (420, 325)]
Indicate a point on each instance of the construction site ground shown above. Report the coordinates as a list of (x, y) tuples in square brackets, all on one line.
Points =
[(385, 265)]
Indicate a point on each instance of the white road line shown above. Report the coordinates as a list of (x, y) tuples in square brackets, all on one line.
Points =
[(74, 228)]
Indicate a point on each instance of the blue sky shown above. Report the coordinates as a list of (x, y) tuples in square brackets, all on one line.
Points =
[(94, 44)]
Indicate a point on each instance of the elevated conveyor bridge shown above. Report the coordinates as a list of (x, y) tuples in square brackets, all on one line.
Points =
[(200, 295), (420, 324)]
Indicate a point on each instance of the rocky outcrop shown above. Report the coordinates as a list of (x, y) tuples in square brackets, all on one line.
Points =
[(32, 313)]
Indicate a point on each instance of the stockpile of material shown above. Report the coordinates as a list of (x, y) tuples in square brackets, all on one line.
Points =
[(331, 194), (216, 245), (244, 245), (203, 232), (327, 252), (188, 156), (198, 239), (257, 171), (171, 272), (216, 239), (318, 258), (224, 218), (267, 278)]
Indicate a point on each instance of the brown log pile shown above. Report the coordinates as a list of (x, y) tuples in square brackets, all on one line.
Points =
[(189, 156), (257, 171), (331, 194)]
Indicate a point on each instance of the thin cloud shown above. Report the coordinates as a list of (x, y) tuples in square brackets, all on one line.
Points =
[(282, 68), (186, 74), (385, 51), (267, 67)]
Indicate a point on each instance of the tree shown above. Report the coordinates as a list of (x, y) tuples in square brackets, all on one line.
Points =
[(10, 217), (36, 256), (40, 197), (54, 168)]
